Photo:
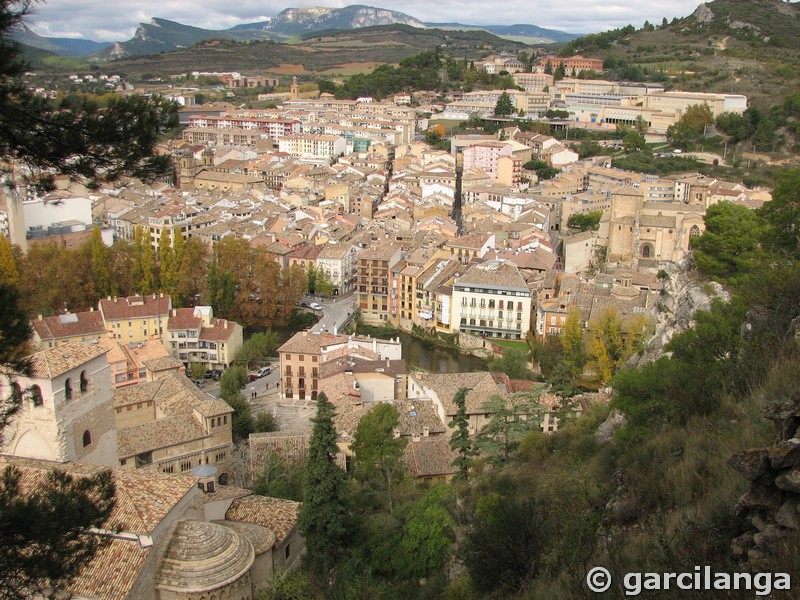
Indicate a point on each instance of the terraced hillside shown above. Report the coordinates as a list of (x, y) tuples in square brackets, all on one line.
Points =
[(322, 53), (740, 46)]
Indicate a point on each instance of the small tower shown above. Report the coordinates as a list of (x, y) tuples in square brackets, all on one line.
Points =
[(295, 89)]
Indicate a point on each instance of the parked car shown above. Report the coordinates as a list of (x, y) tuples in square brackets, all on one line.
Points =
[(315, 306), (209, 373), (264, 371), (304, 304), (200, 383)]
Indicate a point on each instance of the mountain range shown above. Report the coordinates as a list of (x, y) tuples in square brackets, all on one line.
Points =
[(162, 35)]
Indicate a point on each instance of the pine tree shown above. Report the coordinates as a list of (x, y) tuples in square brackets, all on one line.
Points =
[(84, 141), (378, 453), (504, 106), (100, 273), (323, 514), (460, 441)]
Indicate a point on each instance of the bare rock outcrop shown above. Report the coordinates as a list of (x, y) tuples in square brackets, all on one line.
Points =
[(684, 293)]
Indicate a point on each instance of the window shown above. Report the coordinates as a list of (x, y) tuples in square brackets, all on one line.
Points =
[(288, 552), (36, 396), (68, 389), (84, 382), (225, 420), (87, 438)]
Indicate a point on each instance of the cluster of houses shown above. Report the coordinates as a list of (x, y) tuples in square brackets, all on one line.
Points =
[(104, 392)]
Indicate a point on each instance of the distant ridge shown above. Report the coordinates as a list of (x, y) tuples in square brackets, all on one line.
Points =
[(520, 30)]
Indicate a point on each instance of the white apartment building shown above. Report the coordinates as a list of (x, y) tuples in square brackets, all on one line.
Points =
[(492, 300), (313, 148), (338, 262)]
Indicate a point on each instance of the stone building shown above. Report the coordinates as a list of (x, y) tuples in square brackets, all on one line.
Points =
[(172, 426), (175, 537), (640, 233), (66, 410)]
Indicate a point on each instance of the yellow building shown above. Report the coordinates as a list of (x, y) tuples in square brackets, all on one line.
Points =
[(136, 318)]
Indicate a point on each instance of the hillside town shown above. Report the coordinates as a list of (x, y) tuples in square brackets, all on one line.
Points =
[(465, 245)]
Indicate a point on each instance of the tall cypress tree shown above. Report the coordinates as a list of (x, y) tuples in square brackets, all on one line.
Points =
[(460, 441), (323, 514)]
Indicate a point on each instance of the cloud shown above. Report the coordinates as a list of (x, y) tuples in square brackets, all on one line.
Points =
[(117, 21)]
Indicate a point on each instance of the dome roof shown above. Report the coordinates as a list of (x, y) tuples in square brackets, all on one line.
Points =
[(262, 538), (204, 556)]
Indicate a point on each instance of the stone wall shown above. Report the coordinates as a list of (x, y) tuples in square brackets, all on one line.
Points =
[(770, 510)]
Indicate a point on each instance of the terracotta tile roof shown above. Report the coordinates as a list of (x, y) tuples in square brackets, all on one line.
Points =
[(305, 342), (135, 307), (494, 273), (162, 364), (416, 416), (279, 516), (69, 325), (481, 386), (154, 435), (221, 331), (183, 318), (57, 361), (111, 573), (143, 498), (430, 457)]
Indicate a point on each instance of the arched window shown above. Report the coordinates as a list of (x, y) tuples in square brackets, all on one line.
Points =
[(693, 233), (647, 251), (84, 382), (68, 389), (36, 396), (87, 438), (16, 392)]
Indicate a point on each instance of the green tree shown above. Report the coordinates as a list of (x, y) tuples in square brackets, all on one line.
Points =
[(144, 263), (573, 354), (730, 247), (100, 274), (427, 536), (86, 141), (193, 271), (378, 453), (505, 542), (281, 478), (264, 423), (589, 221), (166, 262), (633, 141), (504, 106), (15, 333), (323, 519), (783, 213), (44, 542), (196, 371), (542, 169), (242, 422), (513, 363), (232, 381), (324, 285), (460, 442), (9, 273), (257, 347), (511, 418), (311, 273)]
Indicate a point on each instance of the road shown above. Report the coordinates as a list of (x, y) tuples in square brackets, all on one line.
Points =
[(335, 313)]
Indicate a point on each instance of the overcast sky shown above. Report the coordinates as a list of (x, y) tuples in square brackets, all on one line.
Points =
[(116, 20)]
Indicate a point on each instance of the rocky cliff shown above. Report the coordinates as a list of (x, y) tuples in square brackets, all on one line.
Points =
[(684, 293)]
